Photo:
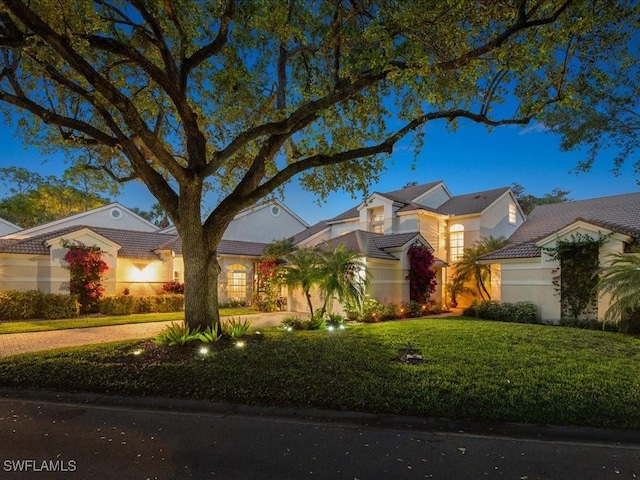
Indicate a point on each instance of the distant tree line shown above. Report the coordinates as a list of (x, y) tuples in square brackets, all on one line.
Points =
[(33, 199)]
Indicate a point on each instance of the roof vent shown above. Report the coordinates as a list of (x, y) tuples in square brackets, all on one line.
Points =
[(115, 213)]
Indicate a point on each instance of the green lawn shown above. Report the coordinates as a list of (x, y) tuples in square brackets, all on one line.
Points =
[(472, 369), (84, 322)]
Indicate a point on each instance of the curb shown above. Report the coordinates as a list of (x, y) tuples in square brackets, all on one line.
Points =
[(342, 418)]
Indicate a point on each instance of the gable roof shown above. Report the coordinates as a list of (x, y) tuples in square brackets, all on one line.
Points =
[(619, 213), (373, 245), (469, 203), (404, 195), (133, 245), (310, 232), (79, 219)]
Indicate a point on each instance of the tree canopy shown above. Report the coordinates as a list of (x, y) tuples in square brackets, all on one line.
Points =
[(528, 202), (240, 97), (34, 199)]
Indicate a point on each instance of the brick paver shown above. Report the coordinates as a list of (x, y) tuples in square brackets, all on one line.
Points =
[(15, 343)]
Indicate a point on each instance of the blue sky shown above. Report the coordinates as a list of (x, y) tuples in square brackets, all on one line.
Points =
[(468, 160)]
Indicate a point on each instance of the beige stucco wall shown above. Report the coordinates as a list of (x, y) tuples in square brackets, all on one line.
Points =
[(260, 225), (434, 198), (495, 219), (531, 280), (388, 283), (22, 272)]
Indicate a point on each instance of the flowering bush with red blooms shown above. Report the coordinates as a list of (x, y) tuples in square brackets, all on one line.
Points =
[(267, 269), (173, 287), (86, 268), (422, 276)]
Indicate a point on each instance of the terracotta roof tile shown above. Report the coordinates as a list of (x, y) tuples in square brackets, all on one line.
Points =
[(620, 213), (470, 203)]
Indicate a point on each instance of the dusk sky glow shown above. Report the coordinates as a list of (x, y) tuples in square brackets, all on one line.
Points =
[(467, 160)]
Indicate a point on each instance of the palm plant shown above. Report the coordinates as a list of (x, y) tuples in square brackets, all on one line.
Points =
[(343, 274), (469, 270), (301, 269), (621, 279)]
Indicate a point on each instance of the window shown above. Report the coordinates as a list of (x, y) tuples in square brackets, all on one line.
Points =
[(512, 213), (237, 281), (275, 210), (377, 221), (456, 242)]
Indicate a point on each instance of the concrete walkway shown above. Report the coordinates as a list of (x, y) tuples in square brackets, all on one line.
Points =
[(15, 343)]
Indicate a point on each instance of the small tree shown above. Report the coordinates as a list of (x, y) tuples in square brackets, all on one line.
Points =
[(344, 274), (301, 269), (468, 270), (86, 268), (422, 276), (621, 279)]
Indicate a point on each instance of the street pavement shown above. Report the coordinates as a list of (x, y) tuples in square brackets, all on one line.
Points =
[(83, 436), (86, 437)]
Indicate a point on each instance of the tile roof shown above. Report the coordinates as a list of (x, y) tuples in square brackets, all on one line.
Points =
[(471, 202), (404, 195), (373, 245), (466, 204), (309, 232), (134, 245), (620, 213)]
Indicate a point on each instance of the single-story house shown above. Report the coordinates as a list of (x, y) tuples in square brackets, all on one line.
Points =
[(141, 257), (524, 270)]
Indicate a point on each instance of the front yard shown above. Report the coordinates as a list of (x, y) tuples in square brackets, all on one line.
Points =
[(470, 369), (105, 321)]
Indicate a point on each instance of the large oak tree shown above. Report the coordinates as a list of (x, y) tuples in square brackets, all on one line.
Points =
[(242, 96)]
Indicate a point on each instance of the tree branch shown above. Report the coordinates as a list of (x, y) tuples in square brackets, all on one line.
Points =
[(385, 147), (210, 49)]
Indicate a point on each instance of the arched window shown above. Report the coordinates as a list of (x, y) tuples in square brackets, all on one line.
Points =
[(237, 282), (456, 242)]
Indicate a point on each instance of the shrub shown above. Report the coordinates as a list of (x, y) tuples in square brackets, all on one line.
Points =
[(173, 287), (236, 328), (335, 320), (20, 305), (30, 304), (411, 309), (127, 304), (372, 310), (210, 334), (86, 268), (233, 304), (519, 312), (314, 323), (59, 306), (177, 334), (117, 305), (292, 323)]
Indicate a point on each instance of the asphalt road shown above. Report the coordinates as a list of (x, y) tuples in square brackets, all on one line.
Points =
[(89, 440)]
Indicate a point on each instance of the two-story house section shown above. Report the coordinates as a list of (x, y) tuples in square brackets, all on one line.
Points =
[(447, 223)]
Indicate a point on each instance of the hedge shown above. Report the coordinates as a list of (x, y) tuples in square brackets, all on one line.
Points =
[(30, 304), (128, 304), (519, 312)]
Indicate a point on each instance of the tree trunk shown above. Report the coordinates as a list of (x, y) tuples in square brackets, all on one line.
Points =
[(201, 272), (201, 267)]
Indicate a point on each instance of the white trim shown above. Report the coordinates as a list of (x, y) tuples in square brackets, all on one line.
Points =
[(581, 225), (423, 195), (269, 203), (82, 231)]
